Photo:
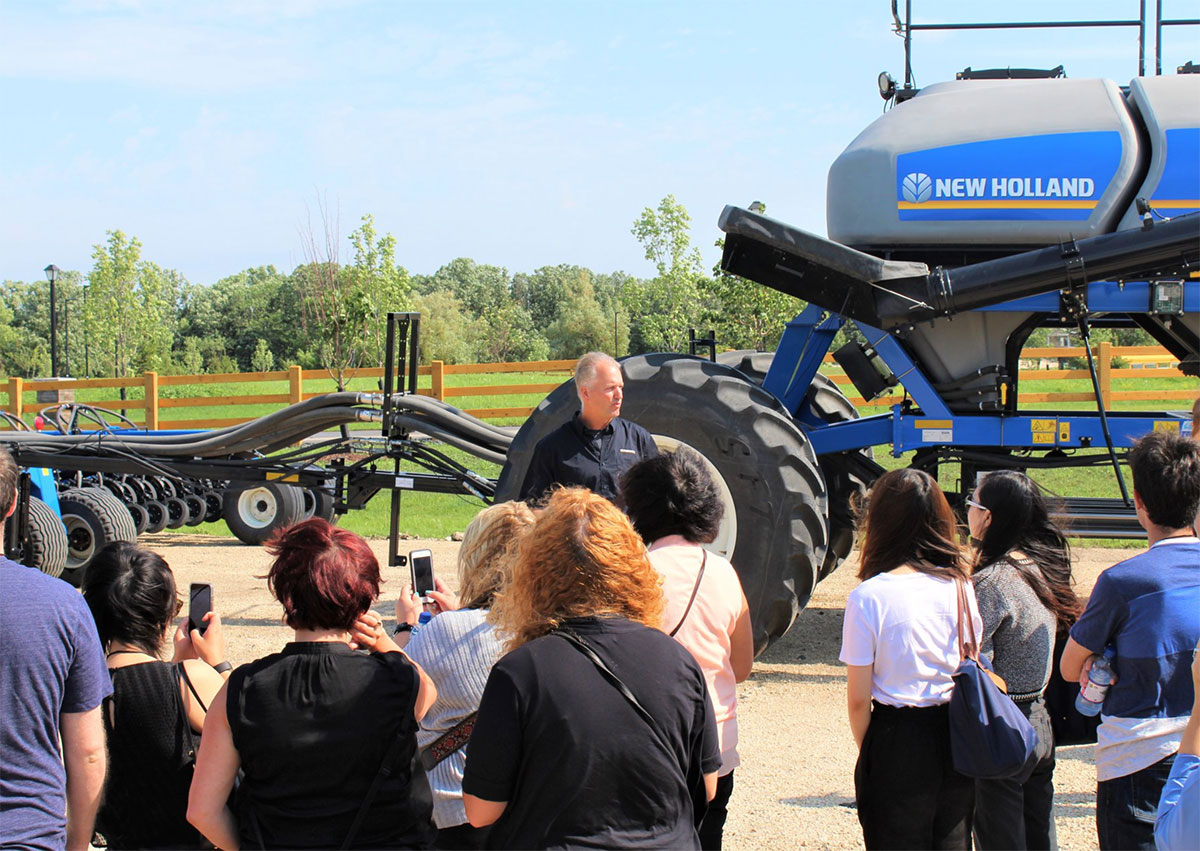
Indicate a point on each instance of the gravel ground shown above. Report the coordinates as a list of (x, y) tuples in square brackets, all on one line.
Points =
[(795, 787)]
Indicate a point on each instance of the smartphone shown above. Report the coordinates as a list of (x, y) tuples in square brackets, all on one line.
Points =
[(199, 605), (421, 564)]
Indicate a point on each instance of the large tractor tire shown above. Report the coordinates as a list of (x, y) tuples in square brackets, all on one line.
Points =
[(93, 518), (842, 476), (47, 539), (774, 530), (254, 513)]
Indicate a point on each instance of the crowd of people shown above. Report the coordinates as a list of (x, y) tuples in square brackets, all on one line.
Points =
[(578, 688)]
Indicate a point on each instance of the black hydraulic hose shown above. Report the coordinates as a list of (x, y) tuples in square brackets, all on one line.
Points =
[(466, 430), (1124, 255), (1085, 334), (448, 413), (456, 440)]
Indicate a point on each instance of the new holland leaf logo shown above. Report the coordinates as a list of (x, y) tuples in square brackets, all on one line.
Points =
[(916, 187)]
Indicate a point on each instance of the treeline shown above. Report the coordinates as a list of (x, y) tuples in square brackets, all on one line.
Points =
[(127, 315)]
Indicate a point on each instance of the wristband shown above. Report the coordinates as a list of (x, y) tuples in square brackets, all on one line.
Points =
[(402, 627), (222, 667)]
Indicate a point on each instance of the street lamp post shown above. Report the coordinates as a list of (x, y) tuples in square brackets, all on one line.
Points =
[(52, 276)]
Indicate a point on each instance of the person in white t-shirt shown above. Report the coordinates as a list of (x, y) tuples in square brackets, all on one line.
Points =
[(675, 507), (900, 646)]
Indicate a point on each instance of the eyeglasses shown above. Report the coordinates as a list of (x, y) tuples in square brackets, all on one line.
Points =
[(178, 606), (978, 505)]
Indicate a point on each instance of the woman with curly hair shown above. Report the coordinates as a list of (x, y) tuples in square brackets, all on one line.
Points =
[(458, 648), (1026, 598), (900, 645), (596, 728)]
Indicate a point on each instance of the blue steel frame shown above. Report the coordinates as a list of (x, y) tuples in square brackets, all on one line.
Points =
[(807, 338)]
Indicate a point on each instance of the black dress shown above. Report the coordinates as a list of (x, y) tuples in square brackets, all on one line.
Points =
[(151, 753), (311, 725)]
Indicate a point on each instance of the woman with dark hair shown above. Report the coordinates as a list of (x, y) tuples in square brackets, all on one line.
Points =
[(325, 736), (156, 713), (595, 728), (1026, 598), (675, 507), (900, 643), (458, 648)]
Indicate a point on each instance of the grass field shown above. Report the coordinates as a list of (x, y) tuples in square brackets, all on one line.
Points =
[(440, 515)]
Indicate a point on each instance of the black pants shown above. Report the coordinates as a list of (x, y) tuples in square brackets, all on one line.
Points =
[(908, 793), (462, 837), (1014, 814), (713, 826)]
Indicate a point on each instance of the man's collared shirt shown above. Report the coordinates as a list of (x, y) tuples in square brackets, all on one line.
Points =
[(576, 456)]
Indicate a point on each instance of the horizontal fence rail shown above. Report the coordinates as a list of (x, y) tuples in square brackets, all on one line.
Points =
[(157, 401)]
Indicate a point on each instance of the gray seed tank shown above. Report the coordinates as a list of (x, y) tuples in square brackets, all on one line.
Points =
[(999, 165)]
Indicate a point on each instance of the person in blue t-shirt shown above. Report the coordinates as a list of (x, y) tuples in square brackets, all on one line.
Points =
[(52, 682), (1147, 608)]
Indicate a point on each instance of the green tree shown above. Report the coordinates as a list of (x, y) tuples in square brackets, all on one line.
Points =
[(447, 334), (581, 325), (479, 288), (262, 360), (131, 308), (745, 314), (384, 285), (509, 335), (670, 304)]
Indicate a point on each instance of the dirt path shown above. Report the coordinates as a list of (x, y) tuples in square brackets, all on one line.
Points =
[(795, 786)]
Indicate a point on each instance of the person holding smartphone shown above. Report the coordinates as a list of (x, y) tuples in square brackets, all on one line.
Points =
[(324, 736), (458, 648), (157, 710)]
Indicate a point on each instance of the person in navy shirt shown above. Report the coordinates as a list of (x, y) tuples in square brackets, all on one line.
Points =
[(1147, 608), (595, 447)]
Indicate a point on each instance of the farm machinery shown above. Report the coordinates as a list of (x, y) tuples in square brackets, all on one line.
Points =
[(970, 214)]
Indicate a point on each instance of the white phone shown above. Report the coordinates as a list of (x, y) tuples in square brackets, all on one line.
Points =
[(420, 562)]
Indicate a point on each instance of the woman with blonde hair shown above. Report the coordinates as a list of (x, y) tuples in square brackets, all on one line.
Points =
[(595, 729), (458, 648)]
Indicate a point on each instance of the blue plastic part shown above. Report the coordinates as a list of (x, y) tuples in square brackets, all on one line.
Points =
[(43, 486)]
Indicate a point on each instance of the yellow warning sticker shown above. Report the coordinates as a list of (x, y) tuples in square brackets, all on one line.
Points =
[(1043, 425), (1064, 432), (933, 424), (1167, 425), (1043, 437)]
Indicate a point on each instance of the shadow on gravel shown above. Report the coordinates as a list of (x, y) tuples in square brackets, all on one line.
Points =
[(815, 638), (762, 676), (820, 801), (166, 539)]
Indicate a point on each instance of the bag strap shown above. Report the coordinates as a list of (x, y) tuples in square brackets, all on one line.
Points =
[(583, 647), (188, 680), (385, 770), (449, 742), (967, 648), (695, 589)]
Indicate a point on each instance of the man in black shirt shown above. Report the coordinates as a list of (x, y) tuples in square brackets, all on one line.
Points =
[(596, 446)]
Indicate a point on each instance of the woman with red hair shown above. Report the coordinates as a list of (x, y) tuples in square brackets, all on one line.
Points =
[(325, 736), (595, 729)]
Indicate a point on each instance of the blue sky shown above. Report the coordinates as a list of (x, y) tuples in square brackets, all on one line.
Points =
[(520, 134)]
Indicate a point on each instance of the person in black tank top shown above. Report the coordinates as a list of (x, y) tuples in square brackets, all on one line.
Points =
[(156, 712), (324, 734)]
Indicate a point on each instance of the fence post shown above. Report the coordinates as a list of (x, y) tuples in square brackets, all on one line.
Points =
[(437, 375), (16, 401), (151, 400), (295, 385), (1104, 373)]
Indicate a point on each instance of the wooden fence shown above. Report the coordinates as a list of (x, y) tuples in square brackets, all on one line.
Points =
[(157, 408)]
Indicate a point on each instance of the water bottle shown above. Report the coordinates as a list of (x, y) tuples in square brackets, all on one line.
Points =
[(1099, 679), (426, 617)]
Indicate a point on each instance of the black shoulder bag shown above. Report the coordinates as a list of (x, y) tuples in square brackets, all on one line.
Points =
[(693, 776)]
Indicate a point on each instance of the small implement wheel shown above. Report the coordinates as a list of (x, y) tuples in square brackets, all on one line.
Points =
[(93, 518), (156, 516), (775, 530), (254, 513), (47, 539)]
